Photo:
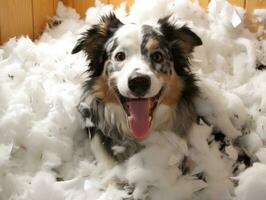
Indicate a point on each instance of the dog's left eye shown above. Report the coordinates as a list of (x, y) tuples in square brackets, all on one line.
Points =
[(120, 56), (157, 57)]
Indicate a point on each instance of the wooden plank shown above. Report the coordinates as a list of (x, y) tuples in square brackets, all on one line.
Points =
[(82, 5), (15, 18), (240, 3), (42, 10), (117, 3), (68, 3), (251, 5), (254, 4), (204, 3), (129, 4)]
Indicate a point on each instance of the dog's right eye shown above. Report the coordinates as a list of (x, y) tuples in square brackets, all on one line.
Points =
[(120, 56), (157, 57)]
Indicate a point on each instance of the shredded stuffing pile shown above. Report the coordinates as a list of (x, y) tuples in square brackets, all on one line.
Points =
[(44, 150)]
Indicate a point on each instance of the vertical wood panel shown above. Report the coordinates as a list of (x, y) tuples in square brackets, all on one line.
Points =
[(129, 4), (68, 2), (254, 4), (240, 3), (117, 3), (251, 5), (82, 5), (15, 18), (204, 3), (42, 9)]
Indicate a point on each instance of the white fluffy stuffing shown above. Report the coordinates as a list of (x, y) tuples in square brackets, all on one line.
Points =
[(44, 151)]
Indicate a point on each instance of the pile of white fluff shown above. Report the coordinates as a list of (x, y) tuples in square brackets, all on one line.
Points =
[(44, 151)]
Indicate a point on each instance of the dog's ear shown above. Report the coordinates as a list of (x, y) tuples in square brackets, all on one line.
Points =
[(182, 37), (97, 34), (93, 41)]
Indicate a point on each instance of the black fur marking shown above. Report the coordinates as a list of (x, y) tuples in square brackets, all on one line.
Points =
[(183, 36), (261, 67), (201, 176), (109, 135), (244, 158), (221, 139), (181, 42), (150, 33), (93, 43), (93, 40), (176, 44)]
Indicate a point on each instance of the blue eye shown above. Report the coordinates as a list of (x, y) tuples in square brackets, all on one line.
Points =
[(120, 56)]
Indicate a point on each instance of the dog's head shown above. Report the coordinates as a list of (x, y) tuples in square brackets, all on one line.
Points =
[(139, 69)]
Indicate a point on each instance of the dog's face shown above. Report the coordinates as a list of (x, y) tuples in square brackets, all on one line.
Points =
[(138, 69)]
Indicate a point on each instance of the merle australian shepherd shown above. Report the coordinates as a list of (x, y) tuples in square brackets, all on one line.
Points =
[(139, 82)]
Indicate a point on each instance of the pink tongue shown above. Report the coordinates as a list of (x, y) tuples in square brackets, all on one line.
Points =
[(139, 117)]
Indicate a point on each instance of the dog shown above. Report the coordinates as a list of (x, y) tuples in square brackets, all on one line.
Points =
[(139, 81)]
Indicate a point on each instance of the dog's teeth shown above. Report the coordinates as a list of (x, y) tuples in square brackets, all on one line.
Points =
[(150, 119)]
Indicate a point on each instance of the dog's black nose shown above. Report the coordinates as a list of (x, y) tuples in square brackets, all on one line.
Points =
[(139, 84)]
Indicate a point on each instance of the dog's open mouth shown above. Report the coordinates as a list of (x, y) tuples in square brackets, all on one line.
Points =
[(139, 113)]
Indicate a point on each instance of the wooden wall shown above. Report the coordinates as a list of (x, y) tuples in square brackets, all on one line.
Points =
[(28, 17)]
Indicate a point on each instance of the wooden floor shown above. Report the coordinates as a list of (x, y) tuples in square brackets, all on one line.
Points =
[(28, 17)]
